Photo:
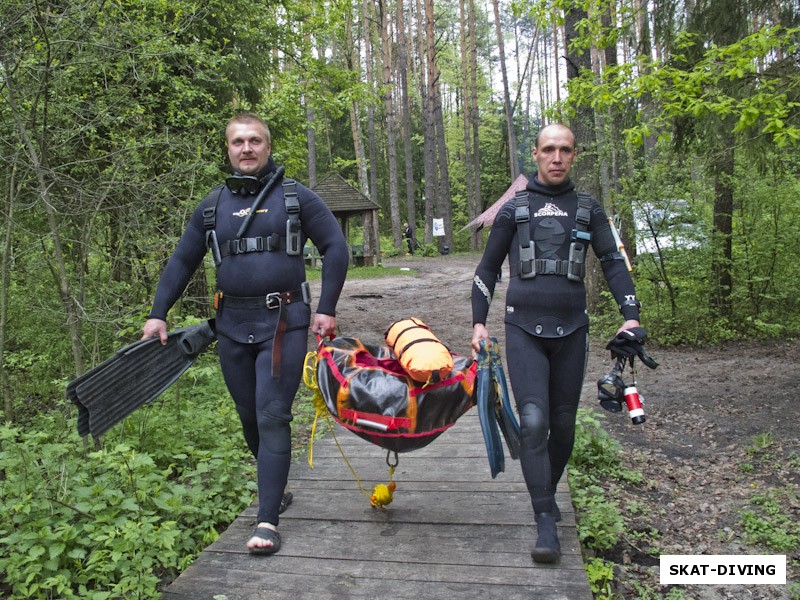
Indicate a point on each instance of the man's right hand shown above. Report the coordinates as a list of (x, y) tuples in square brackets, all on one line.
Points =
[(155, 328), (479, 332)]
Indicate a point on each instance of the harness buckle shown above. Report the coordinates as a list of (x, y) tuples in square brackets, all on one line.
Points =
[(273, 300)]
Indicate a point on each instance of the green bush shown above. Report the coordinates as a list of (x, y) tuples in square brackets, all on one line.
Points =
[(115, 521)]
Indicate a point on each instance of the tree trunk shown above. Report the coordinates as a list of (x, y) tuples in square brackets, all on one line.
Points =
[(60, 272), (388, 103), (442, 205), (5, 287), (584, 173), (513, 160), (311, 134), (429, 142), (722, 261), (353, 62), (466, 112), (373, 154), (475, 237), (408, 151)]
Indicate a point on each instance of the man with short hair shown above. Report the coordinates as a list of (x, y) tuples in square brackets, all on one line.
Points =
[(262, 305), (545, 232)]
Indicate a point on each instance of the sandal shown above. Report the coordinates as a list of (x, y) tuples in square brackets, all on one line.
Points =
[(269, 535), (285, 501)]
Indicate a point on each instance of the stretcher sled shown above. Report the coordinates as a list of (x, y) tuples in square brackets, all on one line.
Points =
[(366, 390)]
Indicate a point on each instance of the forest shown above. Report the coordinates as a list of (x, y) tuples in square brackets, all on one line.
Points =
[(686, 114)]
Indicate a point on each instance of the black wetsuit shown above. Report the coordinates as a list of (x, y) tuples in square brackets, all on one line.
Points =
[(245, 334), (547, 326)]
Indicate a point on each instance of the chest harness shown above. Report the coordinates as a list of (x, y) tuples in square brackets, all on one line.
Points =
[(291, 243), (529, 266), (272, 243)]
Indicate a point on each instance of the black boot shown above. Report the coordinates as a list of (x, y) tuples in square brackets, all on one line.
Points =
[(547, 549), (556, 512)]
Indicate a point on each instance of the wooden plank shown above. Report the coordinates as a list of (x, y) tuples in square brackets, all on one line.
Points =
[(234, 585), (451, 530), (485, 545), (504, 508), (220, 575)]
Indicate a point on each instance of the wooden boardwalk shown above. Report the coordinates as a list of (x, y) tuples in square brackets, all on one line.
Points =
[(451, 530)]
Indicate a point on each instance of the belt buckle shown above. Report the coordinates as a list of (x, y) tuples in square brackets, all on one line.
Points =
[(273, 300)]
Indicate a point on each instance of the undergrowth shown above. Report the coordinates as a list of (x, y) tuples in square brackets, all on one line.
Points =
[(600, 524), (115, 521)]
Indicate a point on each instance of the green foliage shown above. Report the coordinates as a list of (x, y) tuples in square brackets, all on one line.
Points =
[(113, 522), (601, 576), (769, 524), (596, 455), (431, 249), (793, 590)]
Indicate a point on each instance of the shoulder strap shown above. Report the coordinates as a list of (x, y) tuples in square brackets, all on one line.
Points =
[(584, 213), (210, 223), (522, 217), (292, 202), (581, 236)]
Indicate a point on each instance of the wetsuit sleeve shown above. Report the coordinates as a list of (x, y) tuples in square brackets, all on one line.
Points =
[(323, 230), (497, 247), (181, 266), (614, 269)]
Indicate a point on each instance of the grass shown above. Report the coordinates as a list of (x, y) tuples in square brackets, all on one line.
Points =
[(315, 274)]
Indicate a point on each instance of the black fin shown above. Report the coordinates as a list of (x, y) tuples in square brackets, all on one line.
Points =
[(134, 376)]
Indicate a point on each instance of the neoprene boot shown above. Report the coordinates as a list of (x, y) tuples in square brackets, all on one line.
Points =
[(548, 548)]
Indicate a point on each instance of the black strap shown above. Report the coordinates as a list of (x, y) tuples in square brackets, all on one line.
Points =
[(581, 236), (411, 343), (210, 222), (526, 269), (272, 243), (294, 244), (271, 301), (546, 266)]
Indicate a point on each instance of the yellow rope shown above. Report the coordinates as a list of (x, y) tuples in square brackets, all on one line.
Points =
[(321, 409)]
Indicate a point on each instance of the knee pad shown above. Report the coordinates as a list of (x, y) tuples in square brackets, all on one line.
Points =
[(533, 426)]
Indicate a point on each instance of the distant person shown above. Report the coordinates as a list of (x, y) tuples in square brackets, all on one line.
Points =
[(408, 235), (262, 308), (547, 326)]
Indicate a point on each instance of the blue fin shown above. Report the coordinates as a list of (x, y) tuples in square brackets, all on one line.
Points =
[(487, 398), (509, 426)]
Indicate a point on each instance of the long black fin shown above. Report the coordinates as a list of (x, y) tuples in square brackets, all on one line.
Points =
[(134, 376)]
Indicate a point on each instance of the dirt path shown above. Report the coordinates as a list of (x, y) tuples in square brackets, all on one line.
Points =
[(707, 411)]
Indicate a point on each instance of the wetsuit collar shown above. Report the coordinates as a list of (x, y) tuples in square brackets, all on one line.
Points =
[(252, 184), (534, 185)]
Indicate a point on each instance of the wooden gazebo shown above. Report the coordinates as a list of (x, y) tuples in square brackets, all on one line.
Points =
[(345, 201)]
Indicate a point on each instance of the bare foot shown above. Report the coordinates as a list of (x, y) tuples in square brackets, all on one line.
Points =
[(265, 539)]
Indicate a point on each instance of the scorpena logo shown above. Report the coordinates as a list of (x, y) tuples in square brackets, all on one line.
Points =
[(550, 210)]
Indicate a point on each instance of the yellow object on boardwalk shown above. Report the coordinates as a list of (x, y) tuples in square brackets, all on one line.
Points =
[(382, 494)]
